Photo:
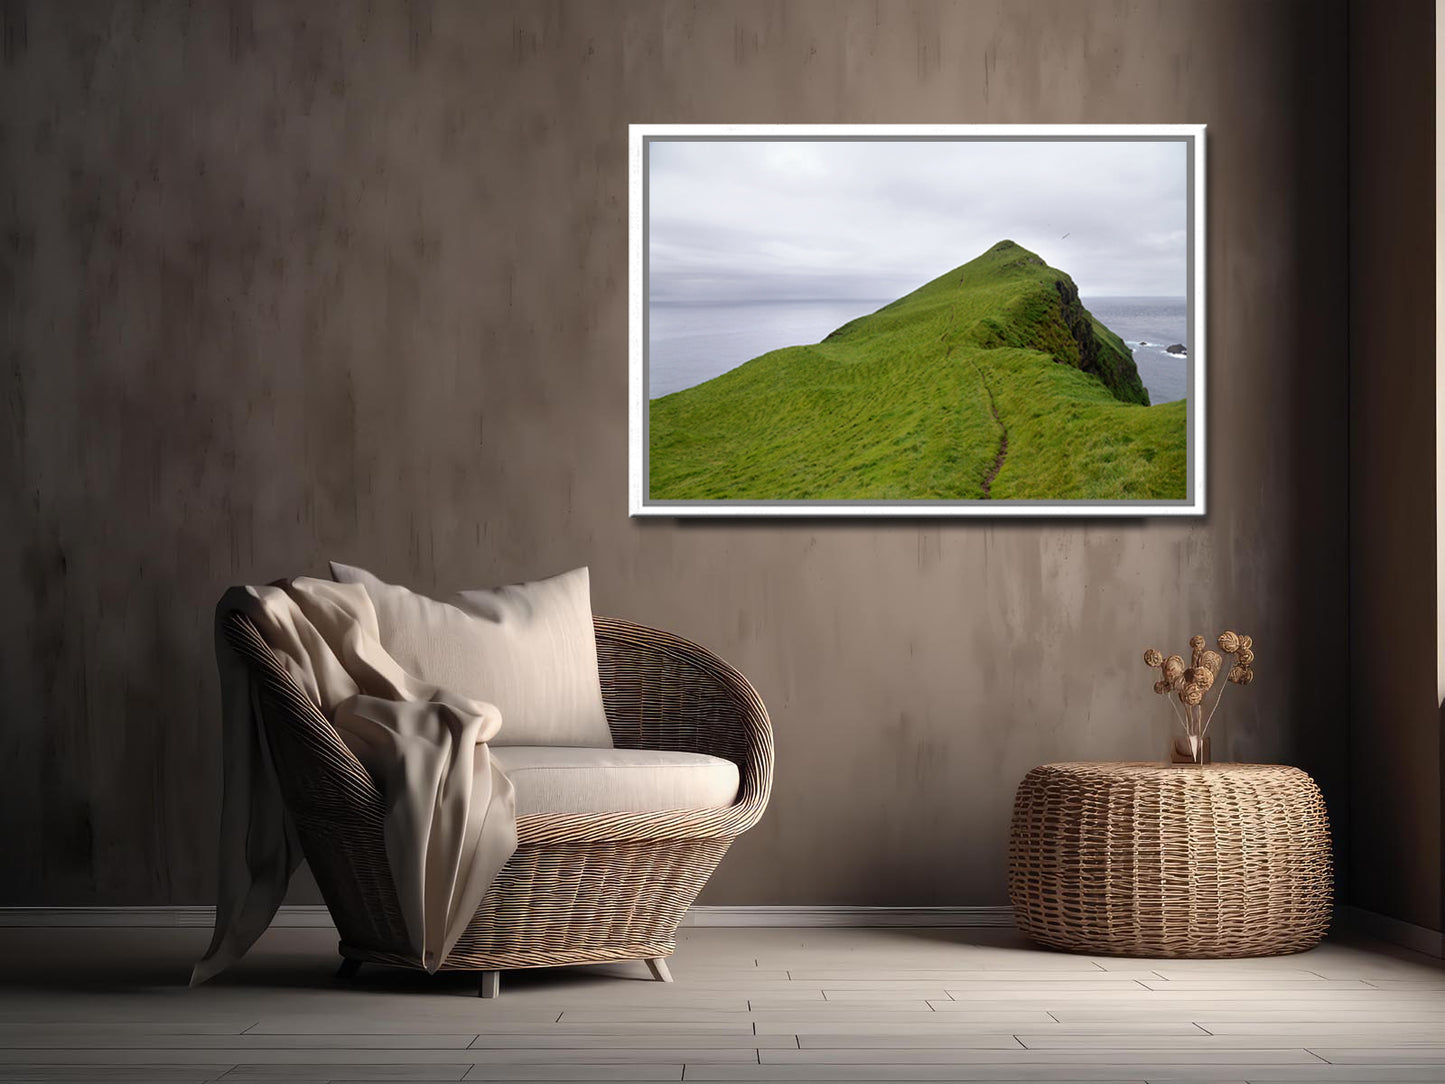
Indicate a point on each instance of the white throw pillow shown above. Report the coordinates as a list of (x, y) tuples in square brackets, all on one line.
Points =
[(528, 648)]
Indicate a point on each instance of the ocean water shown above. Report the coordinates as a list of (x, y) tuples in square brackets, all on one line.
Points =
[(690, 342), (1158, 321)]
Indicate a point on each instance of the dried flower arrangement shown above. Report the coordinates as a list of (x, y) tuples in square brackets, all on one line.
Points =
[(1191, 683)]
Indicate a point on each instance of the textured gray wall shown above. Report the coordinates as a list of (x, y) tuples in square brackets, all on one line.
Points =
[(288, 282)]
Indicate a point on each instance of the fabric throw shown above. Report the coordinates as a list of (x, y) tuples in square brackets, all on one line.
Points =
[(528, 648), (450, 822)]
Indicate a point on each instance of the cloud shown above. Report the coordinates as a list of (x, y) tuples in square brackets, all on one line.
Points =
[(738, 220)]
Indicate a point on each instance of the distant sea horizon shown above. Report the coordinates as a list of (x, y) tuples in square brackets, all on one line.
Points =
[(690, 342)]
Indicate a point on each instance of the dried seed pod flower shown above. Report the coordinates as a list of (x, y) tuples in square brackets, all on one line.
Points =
[(1192, 682)]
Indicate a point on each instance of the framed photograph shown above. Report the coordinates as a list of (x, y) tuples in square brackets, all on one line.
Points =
[(884, 320)]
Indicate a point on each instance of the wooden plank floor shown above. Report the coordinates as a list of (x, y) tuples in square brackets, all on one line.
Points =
[(748, 1005)]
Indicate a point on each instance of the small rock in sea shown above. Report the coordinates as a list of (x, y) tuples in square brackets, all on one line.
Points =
[(1143, 343), (1177, 348)]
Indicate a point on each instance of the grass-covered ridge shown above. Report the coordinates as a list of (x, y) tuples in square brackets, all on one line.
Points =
[(990, 381)]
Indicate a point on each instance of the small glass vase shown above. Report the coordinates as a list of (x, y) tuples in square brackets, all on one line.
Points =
[(1187, 749)]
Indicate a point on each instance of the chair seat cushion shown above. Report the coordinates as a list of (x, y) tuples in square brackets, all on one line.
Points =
[(562, 779)]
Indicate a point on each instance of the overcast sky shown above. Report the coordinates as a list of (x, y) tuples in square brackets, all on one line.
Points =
[(874, 220)]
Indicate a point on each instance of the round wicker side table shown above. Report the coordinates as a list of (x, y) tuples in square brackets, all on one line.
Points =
[(1205, 860)]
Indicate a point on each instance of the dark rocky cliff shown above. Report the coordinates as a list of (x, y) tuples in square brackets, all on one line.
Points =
[(1101, 352)]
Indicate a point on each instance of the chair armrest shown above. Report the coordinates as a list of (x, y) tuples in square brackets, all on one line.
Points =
[(663, 692)]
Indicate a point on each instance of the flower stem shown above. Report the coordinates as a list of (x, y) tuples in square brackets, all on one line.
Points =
[(1176, 713), (1217, 699)]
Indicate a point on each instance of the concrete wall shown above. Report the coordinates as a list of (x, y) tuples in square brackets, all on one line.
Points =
[(283, 282), (1395, 749)]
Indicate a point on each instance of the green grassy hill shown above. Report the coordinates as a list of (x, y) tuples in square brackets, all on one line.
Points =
[(991, 381)]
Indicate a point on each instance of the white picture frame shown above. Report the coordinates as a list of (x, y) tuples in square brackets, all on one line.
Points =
[(643, 137)]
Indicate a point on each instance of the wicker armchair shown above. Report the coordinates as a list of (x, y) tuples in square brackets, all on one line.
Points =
[(581, 888)]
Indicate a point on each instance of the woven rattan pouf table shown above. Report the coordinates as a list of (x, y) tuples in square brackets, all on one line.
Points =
[(1157, 860)]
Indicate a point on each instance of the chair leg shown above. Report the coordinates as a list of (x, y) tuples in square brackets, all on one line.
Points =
[(491, 984), (658, 966), (348, 968)]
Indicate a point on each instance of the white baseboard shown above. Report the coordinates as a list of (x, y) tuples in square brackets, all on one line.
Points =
[(1394, 930), (849, 916), (314, 916), (290, 916), (296, 916)]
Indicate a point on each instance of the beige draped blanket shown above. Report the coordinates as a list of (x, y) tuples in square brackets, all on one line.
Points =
[(450, 814)]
